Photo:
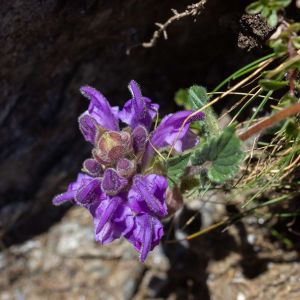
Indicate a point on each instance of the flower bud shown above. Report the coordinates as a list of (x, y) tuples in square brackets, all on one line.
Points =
[(112, 146)]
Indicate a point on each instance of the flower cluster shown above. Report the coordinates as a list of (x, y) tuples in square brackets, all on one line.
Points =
[(124, 199)]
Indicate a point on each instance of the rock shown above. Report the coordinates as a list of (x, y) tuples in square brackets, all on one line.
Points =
[(254, 32), (66, 263)]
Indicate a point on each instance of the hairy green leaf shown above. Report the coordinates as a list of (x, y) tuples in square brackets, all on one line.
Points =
[(222, 154), (197, 96), (175, 167)]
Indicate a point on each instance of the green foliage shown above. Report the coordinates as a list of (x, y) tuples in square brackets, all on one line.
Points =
[(288, 36), (296, 42), (279, 47), (198, 98), (181, 99), (195, 98), (175, 167), (268, 9), (292, 130), (222, 154), (273, 85), (189, 183)]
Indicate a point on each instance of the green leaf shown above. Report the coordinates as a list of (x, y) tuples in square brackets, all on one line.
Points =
[(283, 3), (294, 28), (266, 12), (211, 122), (273, 85), (181, 99), (197, 96), (254, 8), (279, 47), (175, 167), (222, 154), (296, 42), (273, 18)]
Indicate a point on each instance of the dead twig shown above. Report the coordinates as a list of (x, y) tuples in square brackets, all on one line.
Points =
[(191, 10)]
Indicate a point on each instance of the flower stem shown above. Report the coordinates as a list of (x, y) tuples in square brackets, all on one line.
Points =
[(283, 114)]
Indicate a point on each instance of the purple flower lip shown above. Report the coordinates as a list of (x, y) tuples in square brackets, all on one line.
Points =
[(151, 201), (140, 135), (139, 110), (108, 213), (112, 183), (88, 127), (126, 167), (122, 198), (92, 167), (88, 193)]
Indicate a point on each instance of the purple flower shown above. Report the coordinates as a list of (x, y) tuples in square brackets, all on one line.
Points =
[(124, 200), (147, 194), (146, 234), (112, 219), (138, 110)]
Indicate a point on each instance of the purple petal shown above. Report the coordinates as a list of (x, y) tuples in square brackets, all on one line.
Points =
[(89, 193), (189, 141), (139, 110), (100, 109), (64, 197), (108, 213), (88, 127), (146, 234), (112, 182), (112, 220), (140, 135), (171, 132), (148, 194), (69, 195), (92, 167), (171, 129), (126, 167)]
